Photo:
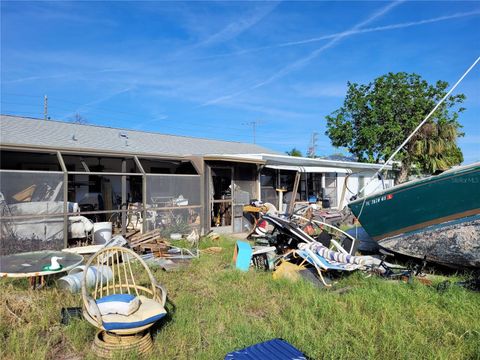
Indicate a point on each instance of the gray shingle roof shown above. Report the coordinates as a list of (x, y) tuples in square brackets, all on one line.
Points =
[(16, 130)]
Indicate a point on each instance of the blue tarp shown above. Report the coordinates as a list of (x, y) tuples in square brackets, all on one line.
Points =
[(276, 349)]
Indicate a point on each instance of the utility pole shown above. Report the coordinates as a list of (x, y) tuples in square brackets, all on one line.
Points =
[(312, 149), (253, 124), (45, 107)]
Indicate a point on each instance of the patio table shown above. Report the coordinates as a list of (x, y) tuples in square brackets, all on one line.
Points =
[(31, 264)]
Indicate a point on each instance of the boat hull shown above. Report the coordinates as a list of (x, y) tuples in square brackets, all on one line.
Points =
[(427, 217), (453, 243)]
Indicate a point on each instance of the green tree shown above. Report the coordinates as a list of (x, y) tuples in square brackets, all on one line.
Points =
[(294, 152), (377, 117)]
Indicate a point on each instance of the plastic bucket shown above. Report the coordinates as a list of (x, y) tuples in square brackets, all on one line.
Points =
[(102, 232)]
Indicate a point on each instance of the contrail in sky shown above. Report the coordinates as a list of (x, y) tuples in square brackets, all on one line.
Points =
[(301, 62), (356, 32), (335, 38)]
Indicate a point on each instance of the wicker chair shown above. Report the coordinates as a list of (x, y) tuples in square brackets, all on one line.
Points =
[(116, 279)]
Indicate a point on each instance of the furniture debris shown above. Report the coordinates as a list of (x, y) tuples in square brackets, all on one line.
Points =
[(117, 240), (263, 257), (26, 194), (242, 255), (84, 250), (319, 247), (122, 332), (276, 349), (131, 233), (33, 265)]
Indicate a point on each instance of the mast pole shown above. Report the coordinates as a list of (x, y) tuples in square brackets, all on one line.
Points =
[(419, 125)]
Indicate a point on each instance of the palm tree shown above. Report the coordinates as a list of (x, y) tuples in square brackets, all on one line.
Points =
[(294, 152), (435, 147)]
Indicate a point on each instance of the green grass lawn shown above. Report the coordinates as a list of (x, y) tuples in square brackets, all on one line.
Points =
[(215, 309)]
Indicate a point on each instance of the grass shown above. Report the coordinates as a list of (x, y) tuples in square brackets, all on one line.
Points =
[(215, 309)]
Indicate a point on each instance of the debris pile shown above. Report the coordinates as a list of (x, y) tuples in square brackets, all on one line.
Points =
[(149, 242), (298, 246)]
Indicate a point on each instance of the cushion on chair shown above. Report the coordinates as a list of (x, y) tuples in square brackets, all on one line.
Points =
[(148, 312), (122, 304)]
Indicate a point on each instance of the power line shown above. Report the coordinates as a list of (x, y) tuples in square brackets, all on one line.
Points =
[(108, 111)]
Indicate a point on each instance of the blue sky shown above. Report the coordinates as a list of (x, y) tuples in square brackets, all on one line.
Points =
[(209, 69)]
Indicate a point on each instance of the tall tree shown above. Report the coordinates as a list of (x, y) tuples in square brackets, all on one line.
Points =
[(377, 117), (294, 152)]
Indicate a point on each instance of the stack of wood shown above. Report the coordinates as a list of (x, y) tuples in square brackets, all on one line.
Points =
[(151, 241)]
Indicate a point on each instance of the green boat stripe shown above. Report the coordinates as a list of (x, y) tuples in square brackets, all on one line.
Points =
[(419, 204), (404, 187), (428, 223)]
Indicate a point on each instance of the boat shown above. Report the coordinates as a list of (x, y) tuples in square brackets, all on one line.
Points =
[(437, 217)]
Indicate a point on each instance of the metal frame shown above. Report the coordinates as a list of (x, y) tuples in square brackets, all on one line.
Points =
[(231, 200), (197, 162)]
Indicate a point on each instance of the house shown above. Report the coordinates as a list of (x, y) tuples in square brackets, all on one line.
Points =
[(51, 171)]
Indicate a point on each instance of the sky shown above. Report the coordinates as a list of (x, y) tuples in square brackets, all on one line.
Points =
[(213, 69)]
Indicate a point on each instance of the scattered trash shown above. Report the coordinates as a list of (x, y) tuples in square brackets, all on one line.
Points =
[(213, 236), (70, 313), (242, 255), (212, 250), (165, 264), (263, 257), (193, 237), (176, 236), (472, 284), (287, 270), (311, 249), (73, 281), (102, 232), (276, 349)]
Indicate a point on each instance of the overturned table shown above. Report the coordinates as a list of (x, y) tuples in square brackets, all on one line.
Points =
[(33, 264)]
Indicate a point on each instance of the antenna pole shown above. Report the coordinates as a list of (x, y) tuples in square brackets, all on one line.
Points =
[(312, 149), (45, 107), (253, 124)]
